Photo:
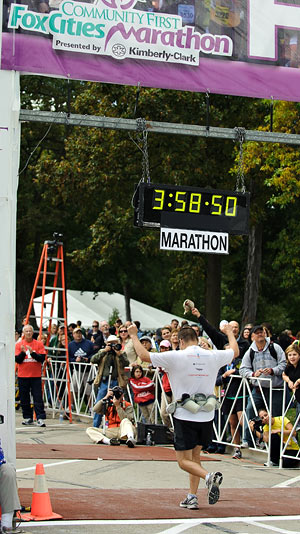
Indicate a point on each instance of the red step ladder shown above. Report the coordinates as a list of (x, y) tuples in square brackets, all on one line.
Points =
[(51, 272)]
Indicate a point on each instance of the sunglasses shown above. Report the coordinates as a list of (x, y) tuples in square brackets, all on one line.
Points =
[(123, 331)]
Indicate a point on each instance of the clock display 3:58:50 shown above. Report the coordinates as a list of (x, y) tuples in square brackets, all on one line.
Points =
[(189, 202)]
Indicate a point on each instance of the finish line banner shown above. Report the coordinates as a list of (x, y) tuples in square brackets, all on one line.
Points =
[(194, 241), (238, 47)]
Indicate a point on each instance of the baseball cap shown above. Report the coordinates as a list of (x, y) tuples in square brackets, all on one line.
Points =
[(256, 328), (112, 339), (165, 343), (146, 338), (77, 330)]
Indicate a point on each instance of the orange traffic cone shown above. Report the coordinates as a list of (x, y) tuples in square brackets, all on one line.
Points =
[(41, 508)]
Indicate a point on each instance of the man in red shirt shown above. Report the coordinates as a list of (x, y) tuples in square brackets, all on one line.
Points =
[(30, 354)]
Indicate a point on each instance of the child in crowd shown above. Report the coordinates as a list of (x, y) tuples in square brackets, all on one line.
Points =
[(291, 375), (143, 389)]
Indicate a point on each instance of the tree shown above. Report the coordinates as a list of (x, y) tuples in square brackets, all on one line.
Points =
[(274, 172), (38, 216), (83, 180)]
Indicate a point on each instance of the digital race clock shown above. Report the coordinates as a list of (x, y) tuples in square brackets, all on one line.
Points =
[(187, 207)]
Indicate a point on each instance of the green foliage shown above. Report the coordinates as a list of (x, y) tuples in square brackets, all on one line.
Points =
[(80, 181), (115, 314)]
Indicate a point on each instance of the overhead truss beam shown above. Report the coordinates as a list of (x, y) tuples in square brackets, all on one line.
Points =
[(112, 123)]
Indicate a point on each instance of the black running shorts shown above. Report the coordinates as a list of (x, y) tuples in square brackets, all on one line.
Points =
[(227, 404), (189, 434)]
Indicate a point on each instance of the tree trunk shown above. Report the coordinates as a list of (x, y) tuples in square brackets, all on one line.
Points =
[(213, 289), (253, 274), (127, 302)]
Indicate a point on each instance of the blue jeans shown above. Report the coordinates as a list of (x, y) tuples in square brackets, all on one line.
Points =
[(277, 397), (102, 390)]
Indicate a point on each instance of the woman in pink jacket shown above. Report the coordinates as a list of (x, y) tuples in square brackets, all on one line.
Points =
[(143, 391)]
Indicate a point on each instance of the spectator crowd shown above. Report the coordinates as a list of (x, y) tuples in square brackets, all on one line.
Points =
[(264, 359)]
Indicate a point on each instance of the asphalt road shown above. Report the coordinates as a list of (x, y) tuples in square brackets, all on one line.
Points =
[(110, 474)]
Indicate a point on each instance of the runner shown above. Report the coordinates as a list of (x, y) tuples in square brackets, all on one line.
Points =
[(192, 372)]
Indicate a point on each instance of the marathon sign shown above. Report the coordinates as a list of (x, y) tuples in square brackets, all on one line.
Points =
[(194, 241)]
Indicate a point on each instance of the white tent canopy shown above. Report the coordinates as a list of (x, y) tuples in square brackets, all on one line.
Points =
[(88, 307)]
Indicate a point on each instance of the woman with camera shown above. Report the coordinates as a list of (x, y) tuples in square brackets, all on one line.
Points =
[(292, 448), (111, 362)]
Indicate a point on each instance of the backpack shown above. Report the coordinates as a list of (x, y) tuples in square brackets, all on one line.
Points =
[(271, 349)]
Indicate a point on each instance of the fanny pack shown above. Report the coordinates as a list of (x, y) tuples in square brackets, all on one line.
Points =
[(195, 403)]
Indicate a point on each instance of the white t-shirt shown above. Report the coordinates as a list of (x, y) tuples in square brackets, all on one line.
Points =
[(192, 370)]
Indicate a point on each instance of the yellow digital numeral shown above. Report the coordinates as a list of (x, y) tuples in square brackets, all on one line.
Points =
[(216, 205), (230, 210), (195, 203), (179, 201), (159, 197)]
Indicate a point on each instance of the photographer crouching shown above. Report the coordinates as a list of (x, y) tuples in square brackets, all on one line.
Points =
[(118, 415), (260, 427), (111, 362)]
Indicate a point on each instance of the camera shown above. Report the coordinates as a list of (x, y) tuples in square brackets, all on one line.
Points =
[(117, 392), (116, 346), (57, 236), (258, 426)]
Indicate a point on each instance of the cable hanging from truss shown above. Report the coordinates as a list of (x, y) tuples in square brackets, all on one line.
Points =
[(142, 130), (142, 145), (240, 136)]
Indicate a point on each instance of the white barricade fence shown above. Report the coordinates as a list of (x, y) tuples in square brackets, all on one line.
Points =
[(222, 425), (82, 376), (83, 391), (158, 394)]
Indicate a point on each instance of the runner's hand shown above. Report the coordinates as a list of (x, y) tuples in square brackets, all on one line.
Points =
[(132, 330)]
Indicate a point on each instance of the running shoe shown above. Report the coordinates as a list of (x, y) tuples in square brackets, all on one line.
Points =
[(11, 530), (213, 482), (190, 502), (114, 441), (40, 422), (237, 454), (27, 422), (131, 443)]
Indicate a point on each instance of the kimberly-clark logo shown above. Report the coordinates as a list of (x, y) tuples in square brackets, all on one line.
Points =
[(113, 28)]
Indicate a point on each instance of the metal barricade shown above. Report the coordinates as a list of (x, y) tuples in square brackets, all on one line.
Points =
[(223, 421), (82, 376), (158, 394)]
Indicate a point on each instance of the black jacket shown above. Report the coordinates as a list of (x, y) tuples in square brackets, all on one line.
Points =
[(219, 339)]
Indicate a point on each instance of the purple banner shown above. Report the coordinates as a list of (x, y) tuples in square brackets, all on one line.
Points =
[(238, 47)]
